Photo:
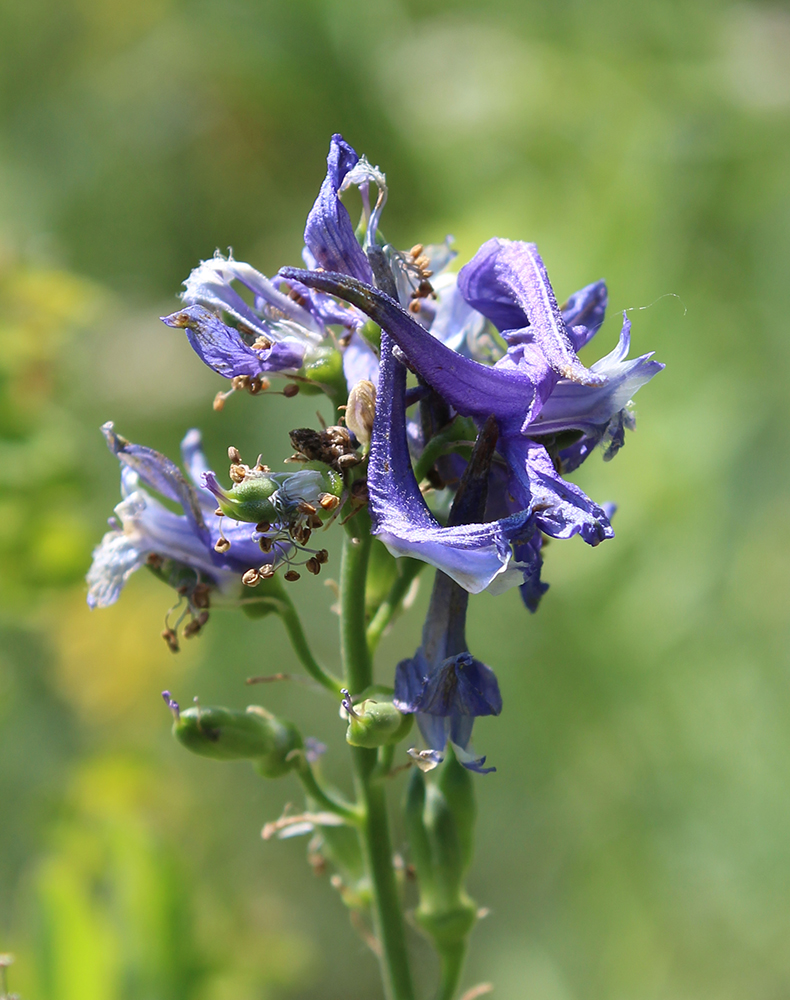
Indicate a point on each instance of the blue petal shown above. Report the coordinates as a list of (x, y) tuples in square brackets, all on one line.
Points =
[(159, 473), (561, 509), (211, 284), (329, 233), (461, 685), (588, 408), (222, 348), (584, 313), (507, 281)]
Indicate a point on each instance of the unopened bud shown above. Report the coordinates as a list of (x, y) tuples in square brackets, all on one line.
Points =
[(361, 410), (375, 722), (225, 734)]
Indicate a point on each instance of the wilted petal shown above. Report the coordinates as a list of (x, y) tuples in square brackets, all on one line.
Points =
[(224, 350), (211, 284), (115, 558), (329, 233)]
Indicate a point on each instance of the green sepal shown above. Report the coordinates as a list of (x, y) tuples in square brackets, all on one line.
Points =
[(250, 500), (226, 734)]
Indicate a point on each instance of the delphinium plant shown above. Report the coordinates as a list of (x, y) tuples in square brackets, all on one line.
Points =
[(460, 407)]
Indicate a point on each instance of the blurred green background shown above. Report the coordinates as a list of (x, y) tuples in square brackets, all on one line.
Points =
[(634, 843)]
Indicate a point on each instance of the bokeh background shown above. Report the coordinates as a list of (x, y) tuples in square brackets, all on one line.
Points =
[(634, 843)]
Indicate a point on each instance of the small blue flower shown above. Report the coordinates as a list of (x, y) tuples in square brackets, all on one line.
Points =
[(144, 528), (443, 684)]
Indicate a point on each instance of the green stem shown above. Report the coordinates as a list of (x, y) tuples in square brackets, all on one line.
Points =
[(374, 828), (451, 965), (323, 798), (411, 568), (293, 626)]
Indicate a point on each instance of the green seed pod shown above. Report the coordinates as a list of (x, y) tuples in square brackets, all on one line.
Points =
[(375, 722), (280, 496), (224, 734)]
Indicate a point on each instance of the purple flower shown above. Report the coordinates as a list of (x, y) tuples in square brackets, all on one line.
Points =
[(537, 390), (144, 528)]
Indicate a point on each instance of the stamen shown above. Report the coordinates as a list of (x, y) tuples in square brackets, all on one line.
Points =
[(313, 566), (251, 578), (328, 501), (172, 704), (292, 576), (234, 455), (291, 390), (347, 702)]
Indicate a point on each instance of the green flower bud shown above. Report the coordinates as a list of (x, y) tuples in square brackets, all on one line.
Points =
[(456, 785), (225, 734), (279, 496), (374, 721)]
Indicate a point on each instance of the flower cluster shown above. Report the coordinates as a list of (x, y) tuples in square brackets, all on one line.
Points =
[(479, 405)]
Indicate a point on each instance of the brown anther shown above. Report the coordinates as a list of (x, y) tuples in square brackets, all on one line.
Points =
[(234, 455), (328, 501), (313, 566), (305, 508), (221, 545), (415, 305), (201, 595), (255, 386), (262, 343), (219, 402), (240, 381), (183, 590), (219, 512), (251, 578), (263, 526), (345, 340), (171, 639), (322, 556), (238, 473), (348, 461), (292, 576), (422, 262), (315, 522), (153, 560), (266, 571), (202, 618), (291, 390), (265, 544), (425, 288), (191, 628), (416, 250)]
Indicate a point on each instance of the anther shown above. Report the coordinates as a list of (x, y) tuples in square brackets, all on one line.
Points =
[(266, 571), (291, 390), (201, 595), (348, 461), (322, 556), (221, 545), (219, 402), (219, 512), (153, 560), (292, 576), (261, 343), (171, 639), (313, 566), (348, 703), (305, 508), (328, 501), (251, 578), (202, 618), (238, 473), (415, 305), (416, 250), (234, 455), (172, 704), (265, 544), (263, 526)]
